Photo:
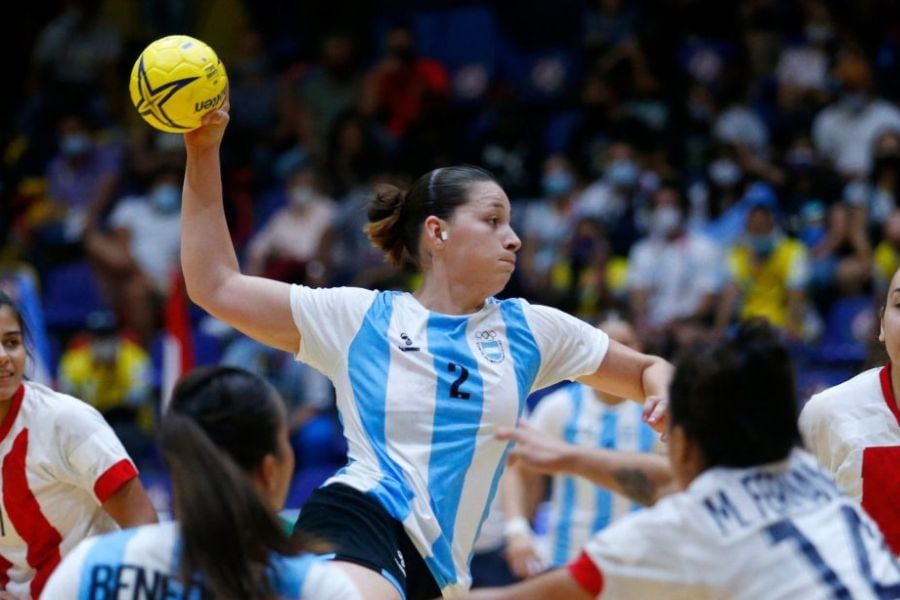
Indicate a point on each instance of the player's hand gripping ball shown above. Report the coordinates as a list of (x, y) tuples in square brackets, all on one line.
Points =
[(175, 81)]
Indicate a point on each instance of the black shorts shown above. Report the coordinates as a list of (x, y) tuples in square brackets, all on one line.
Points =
[(361, 531)]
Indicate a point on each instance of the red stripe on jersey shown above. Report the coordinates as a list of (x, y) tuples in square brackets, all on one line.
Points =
[(13, 412), (5, 566), (881, 488), (115, 477), (887, 390), (41, 538), (587, 574)]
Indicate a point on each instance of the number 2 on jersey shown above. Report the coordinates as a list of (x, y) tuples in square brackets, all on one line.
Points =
[(454, 387)]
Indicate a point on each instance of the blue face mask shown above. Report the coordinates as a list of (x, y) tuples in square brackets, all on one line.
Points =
[(557, 183), (761, 245), (75, 144), (166, 198), (622, 173)]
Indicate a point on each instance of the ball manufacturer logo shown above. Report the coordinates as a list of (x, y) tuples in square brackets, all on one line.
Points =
[(209, 103)]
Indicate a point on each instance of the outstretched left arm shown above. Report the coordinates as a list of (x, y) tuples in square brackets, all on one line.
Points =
[(631, 374)]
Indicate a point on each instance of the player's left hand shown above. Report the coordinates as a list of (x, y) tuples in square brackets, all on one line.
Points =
[(209, 135), (4, 595), (656, 413)]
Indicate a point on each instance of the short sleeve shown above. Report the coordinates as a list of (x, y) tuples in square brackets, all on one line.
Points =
[(640, 556), (812, 430), (66, 578), (326, 582), (328, 319), (552, 412), (570, 348), (93, 458)]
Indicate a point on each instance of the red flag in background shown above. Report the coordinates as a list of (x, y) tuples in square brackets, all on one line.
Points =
[(178, 350)]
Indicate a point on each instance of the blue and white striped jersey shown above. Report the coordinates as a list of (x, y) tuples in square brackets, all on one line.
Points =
[(421, 395), (578, 508), (143, 564)]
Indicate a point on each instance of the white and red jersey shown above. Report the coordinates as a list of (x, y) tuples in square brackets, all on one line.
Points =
[(59, 461), (854, 430), (779, 531)]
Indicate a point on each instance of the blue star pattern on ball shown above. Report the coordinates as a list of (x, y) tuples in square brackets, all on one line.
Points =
[(153, 100)]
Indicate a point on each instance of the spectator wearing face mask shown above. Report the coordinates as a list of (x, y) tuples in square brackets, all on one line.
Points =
[(674, 276), (768, 273), (845, 132), (81, 180), (113, 374), (134, 259), (548, 224), (287, 248), (611, 198)]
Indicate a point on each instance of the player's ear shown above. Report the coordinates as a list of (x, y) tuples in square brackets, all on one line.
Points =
[(435, 231), (265, 478)]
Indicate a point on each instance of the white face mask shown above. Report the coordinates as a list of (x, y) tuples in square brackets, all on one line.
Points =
[(105, 349), (665, 220), (725, 172), (301, 195)]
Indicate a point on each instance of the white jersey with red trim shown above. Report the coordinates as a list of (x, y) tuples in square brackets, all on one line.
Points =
[(780, 531), (854, 430), (59, 461)]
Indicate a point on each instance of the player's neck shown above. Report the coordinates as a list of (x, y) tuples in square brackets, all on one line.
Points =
[(895, 382), (443, 297), (5, 405), (608, 399)]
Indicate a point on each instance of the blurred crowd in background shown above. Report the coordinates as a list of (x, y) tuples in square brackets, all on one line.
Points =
[(679, 164)]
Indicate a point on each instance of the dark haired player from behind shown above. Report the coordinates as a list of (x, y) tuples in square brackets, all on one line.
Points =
[(756, 516)]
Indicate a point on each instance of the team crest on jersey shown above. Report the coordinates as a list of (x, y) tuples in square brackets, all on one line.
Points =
[(491, 348)]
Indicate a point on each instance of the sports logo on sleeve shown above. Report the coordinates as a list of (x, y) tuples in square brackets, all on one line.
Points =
[(491, 348)]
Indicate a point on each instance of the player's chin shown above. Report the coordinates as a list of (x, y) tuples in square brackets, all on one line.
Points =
[(499, 282)]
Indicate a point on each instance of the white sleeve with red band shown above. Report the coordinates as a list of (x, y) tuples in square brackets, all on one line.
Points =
[(95, 458), (640, 556), (587, 575)]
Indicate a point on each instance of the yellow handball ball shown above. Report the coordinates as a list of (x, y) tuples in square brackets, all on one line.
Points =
[(175, 81)]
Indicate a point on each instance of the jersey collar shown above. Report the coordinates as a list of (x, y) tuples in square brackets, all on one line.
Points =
[(13, 412), (887, 391)]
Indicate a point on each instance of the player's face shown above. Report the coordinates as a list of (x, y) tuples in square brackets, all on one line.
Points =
[(12, 353), (890, 320), (481, 246)]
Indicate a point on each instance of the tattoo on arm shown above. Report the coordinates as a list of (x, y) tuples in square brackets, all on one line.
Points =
[(636, 485)]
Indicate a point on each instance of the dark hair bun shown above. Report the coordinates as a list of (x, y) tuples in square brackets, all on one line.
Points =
[(384, 228)]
